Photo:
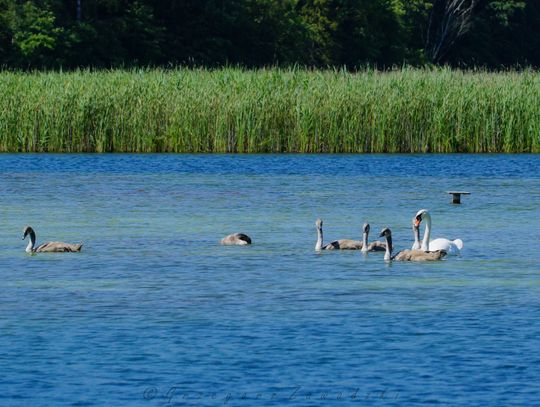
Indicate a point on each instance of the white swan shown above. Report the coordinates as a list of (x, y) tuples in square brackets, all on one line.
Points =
[(449, 246)]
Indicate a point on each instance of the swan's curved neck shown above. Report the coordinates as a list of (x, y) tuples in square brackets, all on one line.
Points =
[(318, 246), (31, 242), (388, 252), (427, 233), (365, 242), (416, 232)]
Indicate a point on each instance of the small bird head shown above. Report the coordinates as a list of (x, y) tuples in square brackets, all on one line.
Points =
[(26, 231), (385, 233), (420, 216)]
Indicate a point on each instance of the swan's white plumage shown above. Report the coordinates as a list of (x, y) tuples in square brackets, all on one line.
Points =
[(416, 233), (451, 247), (458, 243)]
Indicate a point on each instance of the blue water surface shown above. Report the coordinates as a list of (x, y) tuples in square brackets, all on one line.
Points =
[(154, 312)]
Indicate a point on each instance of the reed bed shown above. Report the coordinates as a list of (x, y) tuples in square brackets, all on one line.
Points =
[(270, 111)]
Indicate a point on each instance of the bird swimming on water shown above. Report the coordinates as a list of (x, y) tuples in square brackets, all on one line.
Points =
[(236, 239), (48, 246), (408, 255)]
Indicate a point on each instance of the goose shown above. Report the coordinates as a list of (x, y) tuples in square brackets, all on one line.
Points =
[(342, 244), (238, 239), (449, 246), (408, 255), (49, 246), (372, 247)]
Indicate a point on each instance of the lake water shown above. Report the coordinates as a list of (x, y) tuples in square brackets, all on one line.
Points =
[(154, 312)]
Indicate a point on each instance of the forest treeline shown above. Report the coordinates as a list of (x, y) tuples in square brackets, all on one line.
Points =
[(70, 34)]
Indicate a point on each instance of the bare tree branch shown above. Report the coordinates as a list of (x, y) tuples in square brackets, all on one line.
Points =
[(449, 20)]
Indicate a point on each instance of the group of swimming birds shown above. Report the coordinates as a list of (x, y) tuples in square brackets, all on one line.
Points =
[(426, 250)]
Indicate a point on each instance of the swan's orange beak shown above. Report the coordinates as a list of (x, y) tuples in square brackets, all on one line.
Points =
[(417, 221)]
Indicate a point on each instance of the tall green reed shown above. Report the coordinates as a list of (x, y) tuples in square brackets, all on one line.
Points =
[(270, 110)]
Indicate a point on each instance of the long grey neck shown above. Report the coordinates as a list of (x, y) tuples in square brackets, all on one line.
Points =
[(31, 242), (318, 246), (365, 242), (388, 253)]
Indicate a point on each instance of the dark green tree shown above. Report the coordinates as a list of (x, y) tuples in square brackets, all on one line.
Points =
[(36, 36), (253, 33)]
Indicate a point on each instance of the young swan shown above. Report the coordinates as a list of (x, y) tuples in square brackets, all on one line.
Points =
[(408, 255), (342, 244), (49, 246), (236, 239), (372, 247)]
